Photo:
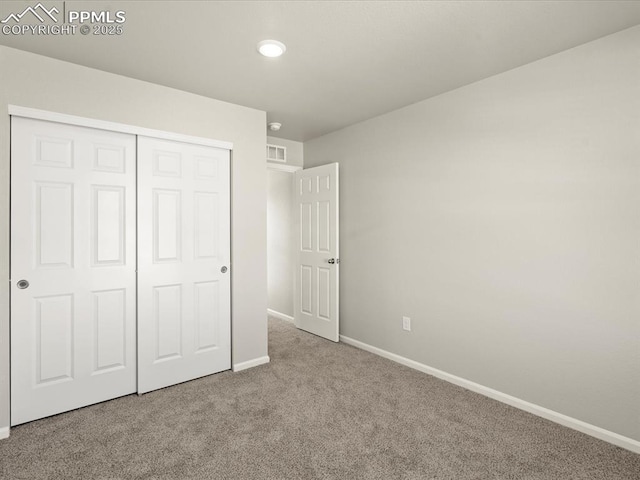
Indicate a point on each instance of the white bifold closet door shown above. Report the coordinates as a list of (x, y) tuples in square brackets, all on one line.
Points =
[(73, 258), (183, 262)]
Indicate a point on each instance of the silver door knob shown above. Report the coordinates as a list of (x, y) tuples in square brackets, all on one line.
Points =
[(223, 269), (22, 284), (331, 261)]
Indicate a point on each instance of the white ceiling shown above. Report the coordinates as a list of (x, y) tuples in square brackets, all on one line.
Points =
[(345, 61)]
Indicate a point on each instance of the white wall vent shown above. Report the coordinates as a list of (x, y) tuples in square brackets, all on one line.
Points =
[(276, 153)]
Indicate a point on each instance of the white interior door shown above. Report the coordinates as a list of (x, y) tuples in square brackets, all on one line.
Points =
[(318, 263), (184, 320), (73, 240)]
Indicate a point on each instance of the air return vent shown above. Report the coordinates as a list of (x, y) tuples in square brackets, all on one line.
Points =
[(276, 153)]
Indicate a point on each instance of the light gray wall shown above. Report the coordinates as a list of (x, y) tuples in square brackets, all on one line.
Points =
[(34, 81), (504, 219), (280, 262), (295, 150)]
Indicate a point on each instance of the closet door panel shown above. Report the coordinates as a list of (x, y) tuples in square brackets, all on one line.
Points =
[(73, 260), (184, 251)]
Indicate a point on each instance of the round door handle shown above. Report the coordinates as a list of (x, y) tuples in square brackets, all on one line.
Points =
[(22, 284), (331, 261), (224, 269)]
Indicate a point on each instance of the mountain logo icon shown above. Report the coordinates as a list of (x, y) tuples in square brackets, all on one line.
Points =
[(39, 11)]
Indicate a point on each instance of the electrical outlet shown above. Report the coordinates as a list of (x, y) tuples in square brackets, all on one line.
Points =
[(406, 324)]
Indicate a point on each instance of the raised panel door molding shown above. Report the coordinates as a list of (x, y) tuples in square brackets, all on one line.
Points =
[(316, 302), (73, 238)]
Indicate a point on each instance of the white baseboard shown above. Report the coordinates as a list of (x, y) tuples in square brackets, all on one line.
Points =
[(281, 316), (238, 367), (579, 425), (4, 432)]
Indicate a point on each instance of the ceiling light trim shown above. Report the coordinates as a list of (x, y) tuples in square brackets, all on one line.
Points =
[(271, 48)]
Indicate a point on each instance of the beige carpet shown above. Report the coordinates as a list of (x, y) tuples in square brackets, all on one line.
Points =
[(319, 410)]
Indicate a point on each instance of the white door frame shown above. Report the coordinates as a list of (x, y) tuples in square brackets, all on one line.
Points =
[(37, 114), (283, 168), (292, 169)]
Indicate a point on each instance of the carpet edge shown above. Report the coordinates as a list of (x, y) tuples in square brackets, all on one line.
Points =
[(556, 417)]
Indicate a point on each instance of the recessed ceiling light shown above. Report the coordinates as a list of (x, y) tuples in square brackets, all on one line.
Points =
[(271, 48)]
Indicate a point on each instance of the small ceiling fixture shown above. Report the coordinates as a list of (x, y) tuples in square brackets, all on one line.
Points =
[(274, 126), (271, 48)]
